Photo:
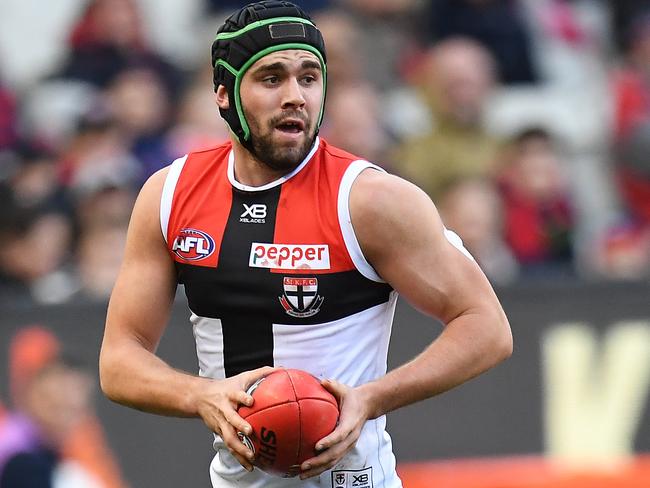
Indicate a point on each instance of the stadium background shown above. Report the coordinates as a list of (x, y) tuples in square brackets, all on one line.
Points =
[(533, 115)]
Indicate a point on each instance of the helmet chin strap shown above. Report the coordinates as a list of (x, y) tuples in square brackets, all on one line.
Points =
[(250, 146)]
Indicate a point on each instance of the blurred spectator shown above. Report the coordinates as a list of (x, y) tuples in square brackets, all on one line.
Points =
[(353, 122), (623, 15), (108, 38), (53, 108), (36, 229), (472, 208), (497, 24), (382, 7), (50, 405), (51, 438), (570, 41), (105, 206), (102, 176), (8, 118), (389, 39), (34, 244), (456, 81), (633, 172), (228, 6), (343, 36), (538, 211), (140, 107), (98, 156), (625, 251), (99, 257), (198, 124), (31, 173), (631, 81)]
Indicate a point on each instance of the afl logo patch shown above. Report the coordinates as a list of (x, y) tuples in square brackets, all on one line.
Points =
[(193, 245)]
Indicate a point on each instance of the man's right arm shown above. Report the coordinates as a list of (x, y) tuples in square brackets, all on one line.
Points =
[(130, 372)]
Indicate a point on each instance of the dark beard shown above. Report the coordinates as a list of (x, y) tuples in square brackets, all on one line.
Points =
[(278, 158)]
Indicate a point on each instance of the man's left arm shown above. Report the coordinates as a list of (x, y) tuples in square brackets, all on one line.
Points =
[(402, 236)]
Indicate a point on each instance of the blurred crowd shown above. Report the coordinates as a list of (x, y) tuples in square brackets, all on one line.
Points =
[(526, 121), (50, 436)]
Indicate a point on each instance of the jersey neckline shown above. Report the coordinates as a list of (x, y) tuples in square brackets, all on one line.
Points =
[(274, 183)]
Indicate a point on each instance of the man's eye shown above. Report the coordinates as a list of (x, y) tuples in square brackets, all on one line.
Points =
[(271, 80), (308, 79)]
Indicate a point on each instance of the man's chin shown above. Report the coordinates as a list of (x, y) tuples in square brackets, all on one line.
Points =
[(285, 159), (282, 151)]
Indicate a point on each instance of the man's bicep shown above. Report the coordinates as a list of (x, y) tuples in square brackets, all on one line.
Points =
[(404, 239), (145, 287), (141, 300)]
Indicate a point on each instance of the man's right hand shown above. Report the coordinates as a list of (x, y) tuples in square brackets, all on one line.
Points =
[(217, 404)]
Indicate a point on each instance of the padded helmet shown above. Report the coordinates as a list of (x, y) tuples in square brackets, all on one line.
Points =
[(251, 33)]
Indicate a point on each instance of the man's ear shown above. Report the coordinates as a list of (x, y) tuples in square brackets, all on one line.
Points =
[(221, 97)]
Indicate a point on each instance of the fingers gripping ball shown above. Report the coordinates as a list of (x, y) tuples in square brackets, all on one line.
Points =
[(291, 412)]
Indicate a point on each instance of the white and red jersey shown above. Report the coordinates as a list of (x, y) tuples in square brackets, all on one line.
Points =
[(274, 276)]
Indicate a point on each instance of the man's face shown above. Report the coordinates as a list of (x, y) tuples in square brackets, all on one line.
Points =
[(281, 97)]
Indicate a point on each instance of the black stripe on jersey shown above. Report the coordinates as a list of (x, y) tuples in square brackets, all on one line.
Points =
[(343, 294), (247, 333)]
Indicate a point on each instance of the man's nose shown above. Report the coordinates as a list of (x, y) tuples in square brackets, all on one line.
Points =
[(292, 95)]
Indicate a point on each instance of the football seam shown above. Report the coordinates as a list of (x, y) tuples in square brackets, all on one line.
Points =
[(317, 398), (295, 395)]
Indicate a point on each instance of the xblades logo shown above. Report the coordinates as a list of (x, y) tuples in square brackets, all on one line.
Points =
[(253, 214), (354, 478)]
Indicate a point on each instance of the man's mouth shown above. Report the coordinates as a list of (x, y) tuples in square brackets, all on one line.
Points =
[(291, 126)]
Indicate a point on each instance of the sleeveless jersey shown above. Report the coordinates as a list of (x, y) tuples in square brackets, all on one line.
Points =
[(274, 276)]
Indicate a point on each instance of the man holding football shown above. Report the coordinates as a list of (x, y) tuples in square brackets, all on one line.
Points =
[(292, 253)]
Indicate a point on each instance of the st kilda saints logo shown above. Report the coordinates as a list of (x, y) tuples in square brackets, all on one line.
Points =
[(300, 298)]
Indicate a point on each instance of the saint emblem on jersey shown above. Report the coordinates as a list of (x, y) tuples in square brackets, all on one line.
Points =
[(193, 244), (300, 298)]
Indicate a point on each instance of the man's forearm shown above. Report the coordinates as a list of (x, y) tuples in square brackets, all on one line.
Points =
[(133, 376), (466, 348)]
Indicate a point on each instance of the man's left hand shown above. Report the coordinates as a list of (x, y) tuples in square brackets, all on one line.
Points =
[(354, 411)]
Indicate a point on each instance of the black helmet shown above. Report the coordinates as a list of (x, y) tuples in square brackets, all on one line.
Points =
[(251, 33)]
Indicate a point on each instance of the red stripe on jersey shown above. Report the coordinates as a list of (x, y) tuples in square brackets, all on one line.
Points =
[(200, 208), (307, 210)]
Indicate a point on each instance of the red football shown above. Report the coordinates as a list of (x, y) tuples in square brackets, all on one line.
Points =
[(291, 412)]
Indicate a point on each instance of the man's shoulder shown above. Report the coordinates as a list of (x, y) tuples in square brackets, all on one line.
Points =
[(376, 195)]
